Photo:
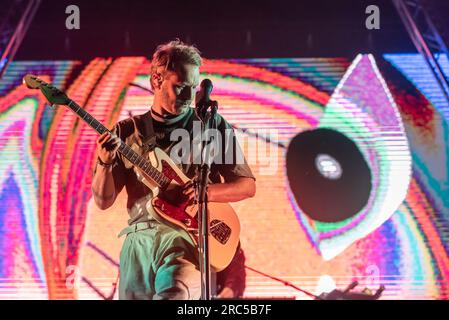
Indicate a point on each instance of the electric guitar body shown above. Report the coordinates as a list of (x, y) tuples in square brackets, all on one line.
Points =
[(170, 208)]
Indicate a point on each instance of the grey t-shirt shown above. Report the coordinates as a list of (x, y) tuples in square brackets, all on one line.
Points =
[(136, 131)]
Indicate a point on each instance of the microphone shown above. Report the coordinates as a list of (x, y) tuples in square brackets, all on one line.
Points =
[(203, 101), (204, 94)]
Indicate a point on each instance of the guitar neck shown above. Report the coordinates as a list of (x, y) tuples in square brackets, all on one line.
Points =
[(136, 159)]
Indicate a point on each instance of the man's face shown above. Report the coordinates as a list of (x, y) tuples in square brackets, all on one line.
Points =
[(178, 89)]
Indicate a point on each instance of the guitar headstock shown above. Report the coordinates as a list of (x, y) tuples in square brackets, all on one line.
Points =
[(53, 94)]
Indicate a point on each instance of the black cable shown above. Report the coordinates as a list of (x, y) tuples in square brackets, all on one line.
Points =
[(286, 283)]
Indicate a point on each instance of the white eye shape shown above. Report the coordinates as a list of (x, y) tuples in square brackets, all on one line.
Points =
[(351, 173)]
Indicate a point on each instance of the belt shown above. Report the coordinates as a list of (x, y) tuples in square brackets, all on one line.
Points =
[(137, 227)]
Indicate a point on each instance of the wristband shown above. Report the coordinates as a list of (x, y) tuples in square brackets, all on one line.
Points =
[(104, 164)]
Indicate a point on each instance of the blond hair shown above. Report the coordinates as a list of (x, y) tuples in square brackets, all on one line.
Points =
[(172, 54)]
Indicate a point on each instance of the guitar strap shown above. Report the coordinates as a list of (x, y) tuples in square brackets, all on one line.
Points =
[(144, 130)]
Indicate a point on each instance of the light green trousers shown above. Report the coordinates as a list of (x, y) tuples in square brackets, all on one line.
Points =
[(158, 262)]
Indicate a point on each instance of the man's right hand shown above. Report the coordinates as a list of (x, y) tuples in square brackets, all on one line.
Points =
[(107, 146)]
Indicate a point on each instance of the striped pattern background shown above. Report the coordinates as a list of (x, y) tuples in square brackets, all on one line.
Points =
[(56, 244)]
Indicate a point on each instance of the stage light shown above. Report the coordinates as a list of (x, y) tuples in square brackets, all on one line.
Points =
[(325, 284)]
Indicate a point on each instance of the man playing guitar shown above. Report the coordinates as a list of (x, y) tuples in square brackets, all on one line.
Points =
[(158, 261)]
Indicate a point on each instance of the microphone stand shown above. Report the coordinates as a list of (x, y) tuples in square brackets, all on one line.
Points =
[(202, 174)]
